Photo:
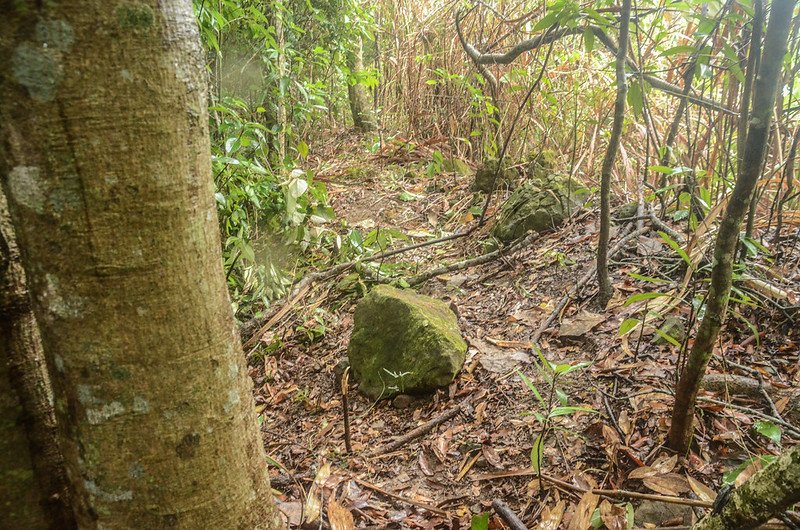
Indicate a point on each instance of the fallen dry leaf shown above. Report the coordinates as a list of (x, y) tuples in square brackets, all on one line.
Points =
[(613, 516), (340, 517), (582, 520), (551, 517), (669, 484), (702, 491)]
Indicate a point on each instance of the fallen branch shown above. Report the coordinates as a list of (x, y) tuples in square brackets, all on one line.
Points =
[(419, 431), (769, 492), (658, 224), (508, 515), (418, 504), (790, 429), (471, 262), (612, 494), (262, 324)]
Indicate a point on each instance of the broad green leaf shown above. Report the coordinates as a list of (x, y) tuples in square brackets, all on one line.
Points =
[(642, 296), (563, 411), (676, 247), (627, 326), (662, 169), (646, 278), (729, 477), (480, 522), (668, 338), (537, 452), (302, 149), (769, 430), (678, 49), (563, 369), (531, 386), (588, 40)]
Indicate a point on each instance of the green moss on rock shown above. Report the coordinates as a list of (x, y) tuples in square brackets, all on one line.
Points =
[(485, 179), (540, 204), (403, 342)]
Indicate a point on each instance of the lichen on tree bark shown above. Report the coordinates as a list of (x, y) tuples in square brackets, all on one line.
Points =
[(106, 166)]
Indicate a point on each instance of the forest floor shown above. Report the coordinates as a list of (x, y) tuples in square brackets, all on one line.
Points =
[(482, 453)]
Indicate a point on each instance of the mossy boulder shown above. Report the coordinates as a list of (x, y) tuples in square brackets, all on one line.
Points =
[(404, 343), (485, 177), (540, 164), (540, 204)]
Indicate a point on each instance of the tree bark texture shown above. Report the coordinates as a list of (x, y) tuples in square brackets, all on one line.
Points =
[(32, 476), (681, 430), (105, 162), (603, 281), (770, 492), (363, 117)]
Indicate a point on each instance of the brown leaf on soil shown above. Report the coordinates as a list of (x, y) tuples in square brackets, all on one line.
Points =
[(583, 512), (613, 516), (669, 484), (702, 491), (424, 463), (551, 517), (340, 517), (492, 457), (642, 472), (665, 464)]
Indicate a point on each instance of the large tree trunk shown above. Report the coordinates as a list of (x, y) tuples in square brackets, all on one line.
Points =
[(680, 434), (106, 167), (32, 475), (603, 281), (363, 117), (770, 492)]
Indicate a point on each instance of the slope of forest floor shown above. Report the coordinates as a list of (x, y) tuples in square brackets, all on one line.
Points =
[(483, 453)]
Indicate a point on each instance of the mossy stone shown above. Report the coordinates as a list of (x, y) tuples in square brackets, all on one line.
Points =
[(540, 204), (485, 179), (404, 343)]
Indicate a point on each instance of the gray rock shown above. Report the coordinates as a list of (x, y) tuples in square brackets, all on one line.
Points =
[(404, 343), (540, 204), (485, 177), (662, 514)]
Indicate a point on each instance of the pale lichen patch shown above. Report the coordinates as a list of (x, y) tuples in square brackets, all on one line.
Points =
[(233, 370), (56, 304), (57, 34), (27, 187), (109, 496), (104, 413), (233, 400), (37, 68), (140, 405)]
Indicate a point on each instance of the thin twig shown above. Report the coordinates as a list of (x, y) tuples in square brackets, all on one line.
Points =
[(424, 506), (614, 494), (790, 429), (419, 431)]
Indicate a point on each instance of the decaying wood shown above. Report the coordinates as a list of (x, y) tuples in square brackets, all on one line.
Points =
[(769, 492), (508, 515), (750, 388)]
